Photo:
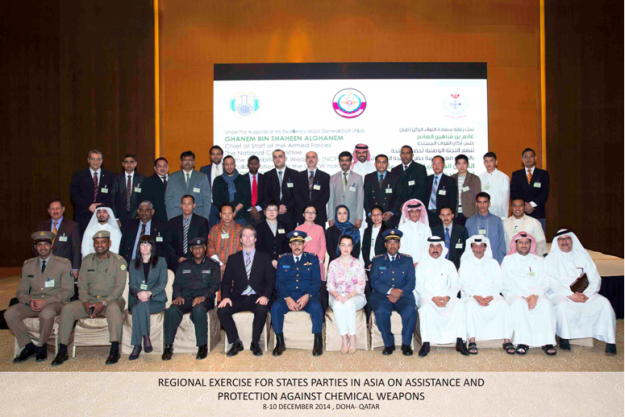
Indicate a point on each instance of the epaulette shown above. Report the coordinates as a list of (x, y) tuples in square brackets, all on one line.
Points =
[(284, 254), (406, 255), (27, 261), (61, 259), (377, 256), (310, 253)]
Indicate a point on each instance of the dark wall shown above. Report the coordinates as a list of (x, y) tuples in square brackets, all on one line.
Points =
[(584, 62), (75, 75)]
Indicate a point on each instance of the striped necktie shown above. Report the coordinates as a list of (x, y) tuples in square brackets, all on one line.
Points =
[(185, 236), (248, 264), (529, 177)]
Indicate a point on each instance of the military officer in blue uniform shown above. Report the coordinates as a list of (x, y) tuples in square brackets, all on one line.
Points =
[(298, 278), (393, 282)]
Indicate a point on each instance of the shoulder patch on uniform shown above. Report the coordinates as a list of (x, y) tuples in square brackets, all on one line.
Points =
[(61, 259), (377, 256), (406, 255), (118, 255), (310, 253), (284, 254), (122, 267), (27, 261)]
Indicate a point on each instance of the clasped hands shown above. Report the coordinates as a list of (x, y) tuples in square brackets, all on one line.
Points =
[(299, 304), (197, 300), (578, 297), (483, 301), (440, 301), (395, 295)]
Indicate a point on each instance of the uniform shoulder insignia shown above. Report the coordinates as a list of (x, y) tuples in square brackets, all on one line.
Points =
[(27, 261), (61, 259), (284, 254), (378, 256), (310, 253), (117, 256), (406, 255), (123, 267)]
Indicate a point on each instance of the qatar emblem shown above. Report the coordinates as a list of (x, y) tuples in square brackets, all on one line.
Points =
[(455, 104), (349, 103), (244, 104)]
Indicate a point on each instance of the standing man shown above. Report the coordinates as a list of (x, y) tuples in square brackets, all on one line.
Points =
[(521, 222), (258, 193), (381, 190), (146, 224), (442, 190), (195, 285), (484, 223), (127, 191), (67, 238), (45, 287), (454, 235), (412, 178), (91, 188), (188, 181), (181, 230), (281, 188), (247, 285), (212, 171), (298, 279), (346, 188), (362, 165), (102, 219), (497, 184), (469, 186), (532, 184), (223, 238), (154, 188), (101, 283), (232, 188), (313, 188), (271, 234)]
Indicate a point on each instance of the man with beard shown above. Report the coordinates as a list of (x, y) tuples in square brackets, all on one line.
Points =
[(346, 188), (103, 219)]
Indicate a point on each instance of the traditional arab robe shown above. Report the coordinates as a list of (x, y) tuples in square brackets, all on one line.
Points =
[(94, 226), (512, 226), (482, 277), (524, 276), (414, 241), (439, 278), (593, 318)]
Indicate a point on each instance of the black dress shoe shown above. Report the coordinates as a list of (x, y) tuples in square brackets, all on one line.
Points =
[(59, 359), (425, 349), (168, 353), (280, 346), (147, 344), (388, 350), (406, 350), (235, 348), (318, 346), (610, 349), (135, 353), (256, 350), (565, 344), (462, 347), (42, 354), (26, 353), (202, 352), (113, 357)]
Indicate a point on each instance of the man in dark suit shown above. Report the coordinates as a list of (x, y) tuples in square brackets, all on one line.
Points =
[(271, 234), (453, 234), (412, 179), (176, 244), (212, 171), (90, 188), (68, 238), (127, 191), (372, 245), (146, 224), (258, 190), (240, 197), (442, 190), (154, 188), (247, 285), (381, 190), (281, 188), (532, 184), (313, 187)]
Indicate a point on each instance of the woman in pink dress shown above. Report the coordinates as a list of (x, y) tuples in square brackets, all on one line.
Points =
[(316, 243)]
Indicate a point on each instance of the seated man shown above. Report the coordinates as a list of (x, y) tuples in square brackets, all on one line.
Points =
[(525, 284), (247, 285), (584, 313), (442, 314), (393, 283), (102, 220), (488, 314), (298, 279), (101, 283), (46, 285), (197, 281)]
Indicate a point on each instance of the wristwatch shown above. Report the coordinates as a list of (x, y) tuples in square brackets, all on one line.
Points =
[(105, 303)]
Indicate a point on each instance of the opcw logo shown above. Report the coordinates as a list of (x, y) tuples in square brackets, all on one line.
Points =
[(244, 104)]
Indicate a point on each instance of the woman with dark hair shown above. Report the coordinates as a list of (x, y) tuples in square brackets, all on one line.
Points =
[(148, 278), (342, 227)]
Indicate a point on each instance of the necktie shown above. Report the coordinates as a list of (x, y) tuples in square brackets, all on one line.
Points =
[(142, 229), (296, 259), (344, 181), (54, 229), (433, 196), (447, 239), (95, 186), (392, 259), (164, 179), (185, 236), (311, 179), (43, 266), (381, 181), (128, 192), (254, 191), (186, 181), (529, 176), (248, 264), (280, 179), (405, 169)]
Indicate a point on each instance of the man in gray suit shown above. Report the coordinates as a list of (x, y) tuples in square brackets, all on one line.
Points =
[(346, 187), (191, 182)]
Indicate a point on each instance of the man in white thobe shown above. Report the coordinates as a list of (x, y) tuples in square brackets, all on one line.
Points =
[(441, 313), (488, 314), (102, 219), (525, 285), (497, 184), (520, 222), (581, 314), (414, 225)]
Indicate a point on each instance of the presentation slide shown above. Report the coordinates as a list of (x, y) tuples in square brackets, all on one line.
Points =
[(436, 108)]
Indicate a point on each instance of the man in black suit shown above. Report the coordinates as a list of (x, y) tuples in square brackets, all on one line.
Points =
[(258, 193), (454, 235), (212, 171), (442, 190), (412, 179), (240, 186), (271, 234), (313, 187), (127, 191), (381, 190), (68, 238), (154, 188), (176, 245), (372, 245), (532, 184), (90, 188), (247, 285), (281, 188), (146, 224)]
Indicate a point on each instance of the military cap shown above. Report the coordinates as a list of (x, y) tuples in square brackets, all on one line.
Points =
[(197, 241), (392, 234), (102, 233), (43, 236), (296, 236)]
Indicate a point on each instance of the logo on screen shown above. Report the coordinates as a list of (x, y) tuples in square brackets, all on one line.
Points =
[(349, 103), (455, 104), (244, 104)]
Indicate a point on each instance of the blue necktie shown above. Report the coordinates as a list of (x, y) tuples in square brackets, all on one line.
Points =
[(447, 239), (433, 196)]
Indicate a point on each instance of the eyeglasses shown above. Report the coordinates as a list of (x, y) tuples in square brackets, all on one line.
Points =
[(377, 215), (310, 212), (95, 159)]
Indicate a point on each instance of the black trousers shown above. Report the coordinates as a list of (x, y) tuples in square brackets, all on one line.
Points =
[(243, 303), (174, 314)]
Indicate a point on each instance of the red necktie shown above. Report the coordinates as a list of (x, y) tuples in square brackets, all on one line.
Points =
[(254, 191), (95, 186)]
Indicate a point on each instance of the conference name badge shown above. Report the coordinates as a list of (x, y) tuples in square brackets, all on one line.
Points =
[(104, 190), (442, 192), (281, 231), (317, 187), (63, 238), (482, 231), (458, 245), (196, 190), (537, 185), (289, 185), (352, 189), (531, 274), (186, 271), (137, 189), (208, 271), (159, 238), (389, 191), (487, 187), (411, 183), (465, 189), (144, 286), (225, 235), (308, 239), (49, 283)]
